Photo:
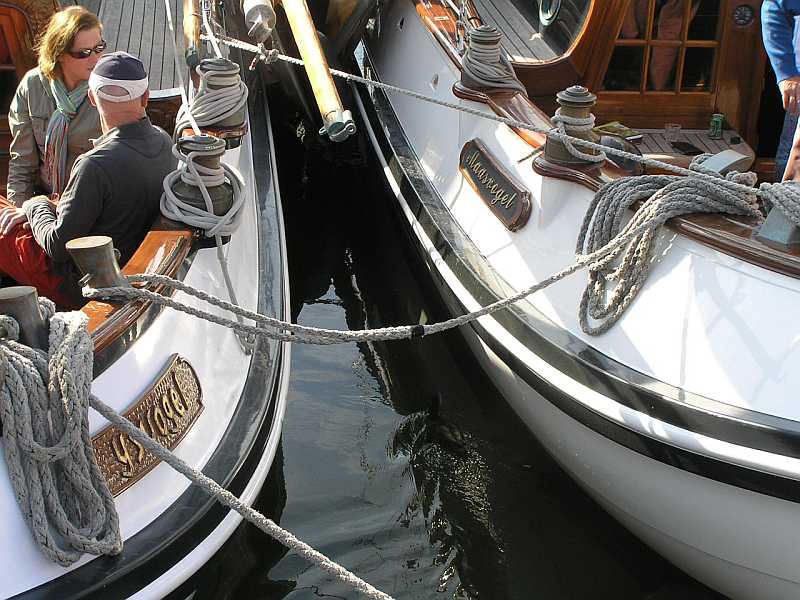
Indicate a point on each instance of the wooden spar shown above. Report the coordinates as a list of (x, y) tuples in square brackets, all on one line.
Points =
[(192, 21), (337, 122)]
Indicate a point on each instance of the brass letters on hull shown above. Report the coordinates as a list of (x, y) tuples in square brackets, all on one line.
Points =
[(509, 200), (165, 413)]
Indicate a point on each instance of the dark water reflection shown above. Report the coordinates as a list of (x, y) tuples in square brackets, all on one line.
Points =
[(399, 460)]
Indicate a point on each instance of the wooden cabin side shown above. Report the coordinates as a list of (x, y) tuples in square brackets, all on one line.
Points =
[(649, 69)]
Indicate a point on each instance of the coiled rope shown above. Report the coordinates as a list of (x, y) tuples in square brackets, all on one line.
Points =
[(568, 126), (209, 105), (44, 402), (625, 269), (58, 485), (484, 64), (601, 241), (201, 176)]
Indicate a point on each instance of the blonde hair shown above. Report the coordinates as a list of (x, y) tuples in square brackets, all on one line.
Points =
[(57, 39)]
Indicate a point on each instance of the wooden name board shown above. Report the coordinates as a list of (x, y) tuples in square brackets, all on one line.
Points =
[(508, 200)]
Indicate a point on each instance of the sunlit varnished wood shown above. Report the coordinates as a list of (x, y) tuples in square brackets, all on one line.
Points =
[(163, 251), (737, 76)]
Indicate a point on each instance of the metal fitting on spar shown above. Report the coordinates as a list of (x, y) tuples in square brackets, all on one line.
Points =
[(260, 19)]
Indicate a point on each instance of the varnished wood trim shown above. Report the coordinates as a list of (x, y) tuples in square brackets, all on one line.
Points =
[(510, 104), (162, 252), (731, 235)]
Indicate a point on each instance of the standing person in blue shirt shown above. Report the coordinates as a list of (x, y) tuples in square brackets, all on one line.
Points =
[(780, 32)]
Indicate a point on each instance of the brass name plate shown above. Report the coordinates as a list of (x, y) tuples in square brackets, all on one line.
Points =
[(508, 200), (165, 413)]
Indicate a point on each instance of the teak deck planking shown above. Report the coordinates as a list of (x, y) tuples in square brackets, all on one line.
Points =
[(140, 27)]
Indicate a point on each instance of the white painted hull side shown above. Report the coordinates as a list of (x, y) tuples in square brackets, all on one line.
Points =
[(222, 368), (700, 325)]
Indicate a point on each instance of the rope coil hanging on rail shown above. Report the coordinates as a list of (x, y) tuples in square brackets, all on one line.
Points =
[(44, 401)]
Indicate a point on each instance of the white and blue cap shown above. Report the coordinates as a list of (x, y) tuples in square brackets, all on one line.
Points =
[(121, 70)]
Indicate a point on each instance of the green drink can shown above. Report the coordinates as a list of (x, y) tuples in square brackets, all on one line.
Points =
[(715, 128)]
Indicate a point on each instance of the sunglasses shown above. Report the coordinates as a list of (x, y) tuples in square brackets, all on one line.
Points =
[(87, 52)]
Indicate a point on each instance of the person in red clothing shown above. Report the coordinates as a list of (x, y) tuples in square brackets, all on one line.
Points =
[(100, 197)]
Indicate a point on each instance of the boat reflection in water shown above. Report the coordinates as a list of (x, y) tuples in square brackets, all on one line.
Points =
[(401, 461)]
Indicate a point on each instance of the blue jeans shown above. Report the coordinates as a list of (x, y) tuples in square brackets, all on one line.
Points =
[(785, 144)]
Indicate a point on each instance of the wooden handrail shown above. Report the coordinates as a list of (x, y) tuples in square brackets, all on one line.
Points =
[(162, 252)]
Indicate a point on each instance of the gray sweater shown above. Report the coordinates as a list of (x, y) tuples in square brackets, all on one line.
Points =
[(114, 190)]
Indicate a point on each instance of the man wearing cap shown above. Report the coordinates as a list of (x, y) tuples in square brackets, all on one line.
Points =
[(114, 189)]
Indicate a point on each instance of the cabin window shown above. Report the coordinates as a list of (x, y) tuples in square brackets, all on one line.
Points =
[(560, 21), (538, 30), (666, 46)]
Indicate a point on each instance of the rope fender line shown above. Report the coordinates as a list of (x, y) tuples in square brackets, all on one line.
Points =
[(83, 519)]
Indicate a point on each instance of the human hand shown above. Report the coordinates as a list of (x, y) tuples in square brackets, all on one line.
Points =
[(790, 94), (11, 217)]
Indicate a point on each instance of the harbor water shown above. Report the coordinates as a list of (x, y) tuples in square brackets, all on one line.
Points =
[(399, 460)]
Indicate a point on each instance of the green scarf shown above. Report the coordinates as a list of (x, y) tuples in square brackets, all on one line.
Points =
[(55, 142)]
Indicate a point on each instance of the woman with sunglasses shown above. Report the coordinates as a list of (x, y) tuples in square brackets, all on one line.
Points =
[(50, 119)]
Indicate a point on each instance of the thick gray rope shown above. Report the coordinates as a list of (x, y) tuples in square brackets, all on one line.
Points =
[(193, 173), (485, 65), (47, 444), (211, 105), (44, 400), (784, 195), (665, 196), (602, 244), (224, 497), (284, 331)]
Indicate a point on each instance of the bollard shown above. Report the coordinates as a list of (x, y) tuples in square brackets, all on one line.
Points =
[(575, 101), (22, 303), (96, 259), (221, 193)]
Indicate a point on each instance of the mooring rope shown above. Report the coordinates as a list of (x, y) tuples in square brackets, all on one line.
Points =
[(59, 487), (598, 247), (44, 402)]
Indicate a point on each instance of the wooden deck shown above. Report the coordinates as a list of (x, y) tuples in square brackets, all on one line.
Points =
[(655, 144), (520, 40), (140, 27)]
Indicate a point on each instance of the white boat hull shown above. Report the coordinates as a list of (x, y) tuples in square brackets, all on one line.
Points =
[(724, 510), (171, 529)]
